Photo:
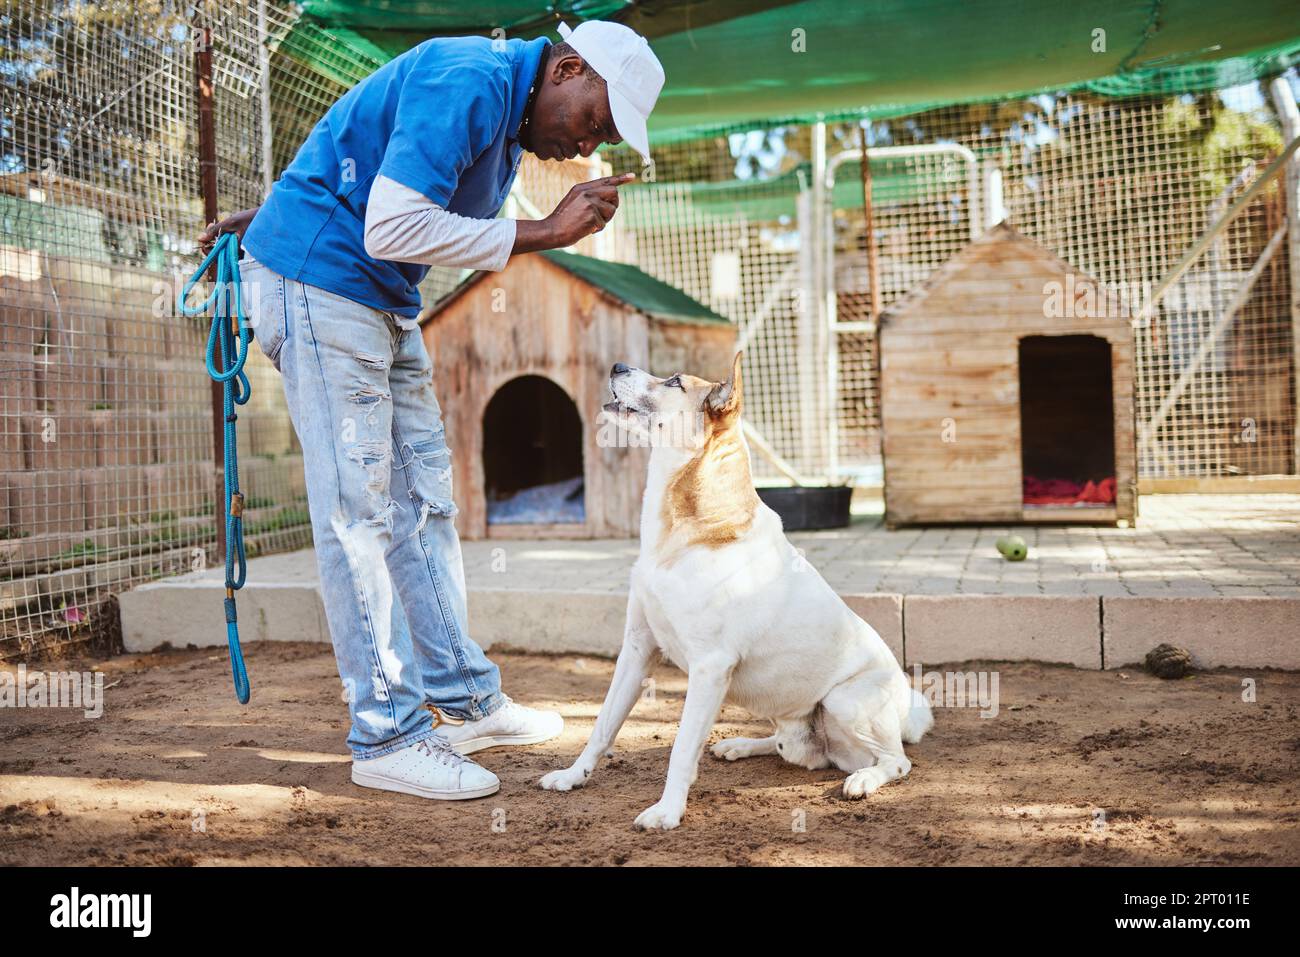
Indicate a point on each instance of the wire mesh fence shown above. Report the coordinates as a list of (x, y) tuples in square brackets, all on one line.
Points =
[(1118, 188), (107, 467), (107, 462), (107, 457)]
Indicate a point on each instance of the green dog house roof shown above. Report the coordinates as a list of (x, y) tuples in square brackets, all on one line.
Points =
[(620, 281)]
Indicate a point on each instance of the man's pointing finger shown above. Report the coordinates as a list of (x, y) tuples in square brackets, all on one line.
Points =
[(619, 180)]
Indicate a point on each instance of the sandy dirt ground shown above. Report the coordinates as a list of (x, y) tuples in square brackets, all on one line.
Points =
[(1078, 767)]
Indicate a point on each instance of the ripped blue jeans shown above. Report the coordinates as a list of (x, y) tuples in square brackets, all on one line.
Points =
[(360, 393)]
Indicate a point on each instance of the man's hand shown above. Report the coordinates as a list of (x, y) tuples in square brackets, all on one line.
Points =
[(585, 210), (235, 223)]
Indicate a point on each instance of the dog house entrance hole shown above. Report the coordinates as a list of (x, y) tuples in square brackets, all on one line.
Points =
[(1067, 421), (532, 454)]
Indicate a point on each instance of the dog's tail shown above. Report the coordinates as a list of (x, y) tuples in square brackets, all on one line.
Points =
[(918, 718)]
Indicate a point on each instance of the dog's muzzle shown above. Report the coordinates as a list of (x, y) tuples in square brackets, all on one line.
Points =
[(617, 405)]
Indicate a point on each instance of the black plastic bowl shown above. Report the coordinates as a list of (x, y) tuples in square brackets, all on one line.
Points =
[(810, 507)]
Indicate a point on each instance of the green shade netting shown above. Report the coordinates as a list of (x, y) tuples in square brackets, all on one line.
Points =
[(731, 63), (638, 289), (771, 200)]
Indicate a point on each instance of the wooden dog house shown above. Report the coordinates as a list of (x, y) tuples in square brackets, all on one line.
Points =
[(1006, 384), (521, 364)]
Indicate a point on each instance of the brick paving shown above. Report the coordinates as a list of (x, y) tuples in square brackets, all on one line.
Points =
[(1228, 546), (1216, 574)]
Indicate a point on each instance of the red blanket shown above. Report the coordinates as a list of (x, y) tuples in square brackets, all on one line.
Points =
[(1040, 491)]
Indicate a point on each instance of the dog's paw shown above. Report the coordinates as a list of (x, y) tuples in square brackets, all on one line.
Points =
[(659, 817), (730, 749), (733, 749), (564, 780), (863, 782)]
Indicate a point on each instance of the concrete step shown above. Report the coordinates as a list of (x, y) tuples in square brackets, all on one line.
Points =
[(568, 601)]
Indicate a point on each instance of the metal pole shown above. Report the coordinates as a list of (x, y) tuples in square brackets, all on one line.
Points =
[(828, 340), (1284, 101), (208, 190), (963, 155), (264, 65), (873, 261), (873, 269), (825, 170), (993, 212), (816, 325)]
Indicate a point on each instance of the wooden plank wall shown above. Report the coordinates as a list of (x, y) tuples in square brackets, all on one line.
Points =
[(550, 324), (702, 350), (555, 325), (950, 387)]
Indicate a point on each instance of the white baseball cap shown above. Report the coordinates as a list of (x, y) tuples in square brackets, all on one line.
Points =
[(631, 71)]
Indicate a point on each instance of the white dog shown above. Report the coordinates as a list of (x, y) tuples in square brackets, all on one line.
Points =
[(721, 592)]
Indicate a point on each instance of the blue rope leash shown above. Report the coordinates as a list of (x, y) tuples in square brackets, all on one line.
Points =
[(232, 339)]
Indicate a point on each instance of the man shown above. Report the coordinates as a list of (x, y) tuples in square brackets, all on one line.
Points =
[(409, 170)]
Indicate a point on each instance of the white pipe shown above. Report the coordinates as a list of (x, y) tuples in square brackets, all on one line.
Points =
[(991, 195), (824, 175), (965, 154), (824, 293)]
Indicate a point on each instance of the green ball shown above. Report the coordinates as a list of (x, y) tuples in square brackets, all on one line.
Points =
[(1013, 548)]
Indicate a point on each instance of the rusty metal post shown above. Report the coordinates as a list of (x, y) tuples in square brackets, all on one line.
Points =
[(873, 262), (873, 275), (208, 190)]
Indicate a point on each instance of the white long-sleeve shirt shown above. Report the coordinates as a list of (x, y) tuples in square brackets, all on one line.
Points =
[(404, 225)]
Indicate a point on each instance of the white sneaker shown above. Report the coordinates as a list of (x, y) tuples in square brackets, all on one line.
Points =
[(427, 769), (510, 724)]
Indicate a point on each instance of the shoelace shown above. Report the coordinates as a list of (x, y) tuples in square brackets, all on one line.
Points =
[(438, 749)]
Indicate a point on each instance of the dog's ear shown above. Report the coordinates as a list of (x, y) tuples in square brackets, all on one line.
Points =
[(725, 397)]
